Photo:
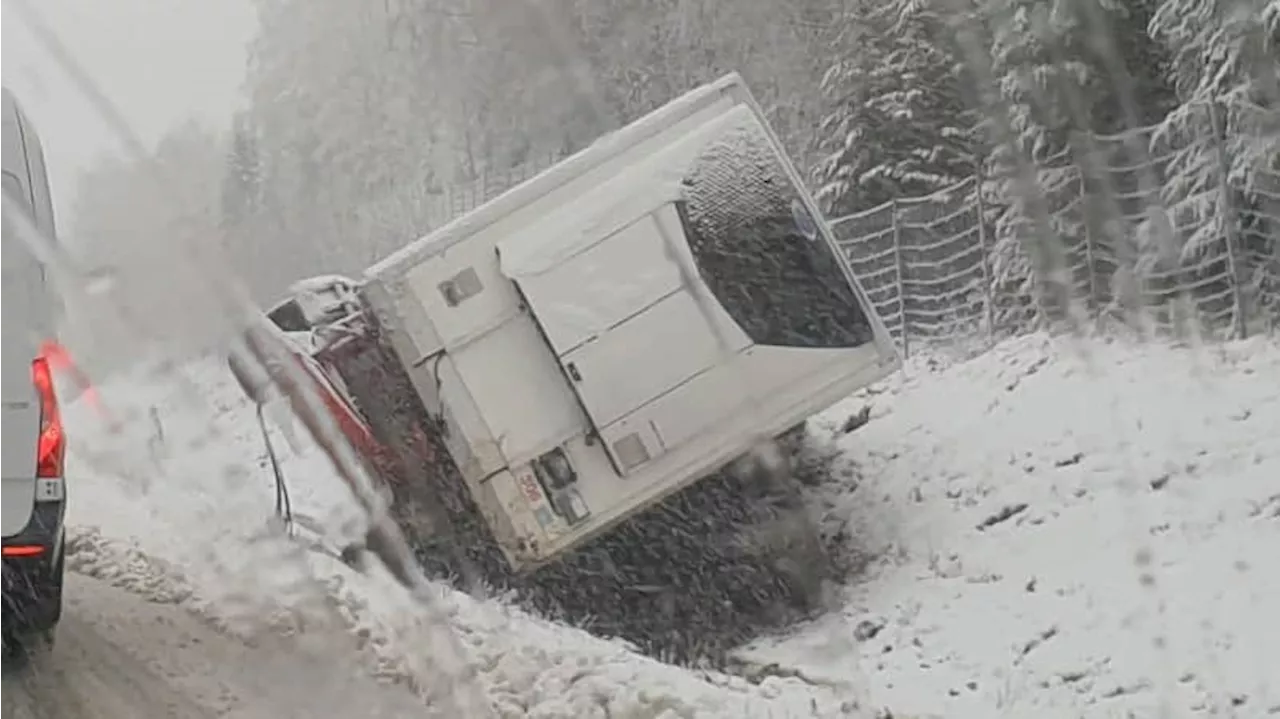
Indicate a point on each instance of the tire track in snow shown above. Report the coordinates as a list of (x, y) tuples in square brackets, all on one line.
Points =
[(118, 656), (87, 677)]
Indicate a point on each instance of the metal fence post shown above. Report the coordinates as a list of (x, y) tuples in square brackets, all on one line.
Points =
[(987, 288), (898, 261), (1093, 300), (1228, 217)]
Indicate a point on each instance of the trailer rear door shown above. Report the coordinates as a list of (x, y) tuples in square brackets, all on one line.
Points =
[(624, 340)]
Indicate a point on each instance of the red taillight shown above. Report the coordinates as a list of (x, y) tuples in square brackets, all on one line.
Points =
[(51, 448), (23, 550)]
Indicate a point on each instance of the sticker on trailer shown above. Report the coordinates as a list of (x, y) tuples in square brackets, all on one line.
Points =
[(546, 518), (537, 501), (512, 502), (530, 487)]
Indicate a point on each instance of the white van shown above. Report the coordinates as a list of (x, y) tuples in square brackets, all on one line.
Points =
[(34, 441)]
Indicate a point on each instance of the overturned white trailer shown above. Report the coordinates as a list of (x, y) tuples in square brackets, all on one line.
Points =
[(616, 329)]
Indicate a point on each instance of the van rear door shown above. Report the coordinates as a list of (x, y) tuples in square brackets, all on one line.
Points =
[(22, 286), (21, 432)]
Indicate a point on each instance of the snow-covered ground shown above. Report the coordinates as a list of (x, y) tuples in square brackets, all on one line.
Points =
[(1065, 529), (1061, 528)]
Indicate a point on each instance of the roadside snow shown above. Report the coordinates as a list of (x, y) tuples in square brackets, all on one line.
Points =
[(175, 503), (1065, 528)]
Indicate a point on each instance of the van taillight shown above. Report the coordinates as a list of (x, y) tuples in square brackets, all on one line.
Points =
[(52, 446)]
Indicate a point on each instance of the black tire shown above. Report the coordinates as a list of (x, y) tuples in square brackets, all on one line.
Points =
[(21, 649)]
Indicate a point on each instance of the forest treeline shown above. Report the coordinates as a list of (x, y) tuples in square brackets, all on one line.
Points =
[(357, 114)]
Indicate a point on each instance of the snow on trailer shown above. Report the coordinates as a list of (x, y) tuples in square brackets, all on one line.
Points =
[(575, 363)]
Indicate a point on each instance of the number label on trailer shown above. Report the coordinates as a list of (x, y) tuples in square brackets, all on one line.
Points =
[(537, 500), (529, 485)]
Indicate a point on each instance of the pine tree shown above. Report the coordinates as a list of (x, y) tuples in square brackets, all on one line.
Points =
[(1226, 68), (899, 121), (1065, 71), (242, 184)]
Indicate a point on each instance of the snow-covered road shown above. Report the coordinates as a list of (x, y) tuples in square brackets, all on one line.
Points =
[(91, 676), (121, 656)]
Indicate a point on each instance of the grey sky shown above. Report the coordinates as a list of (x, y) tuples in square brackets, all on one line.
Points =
[(159, 61)]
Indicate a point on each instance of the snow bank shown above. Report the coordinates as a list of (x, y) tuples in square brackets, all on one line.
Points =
[(1063, 528), (175, 502)]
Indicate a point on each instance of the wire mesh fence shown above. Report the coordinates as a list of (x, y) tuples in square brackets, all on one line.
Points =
[(1176, 226)]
